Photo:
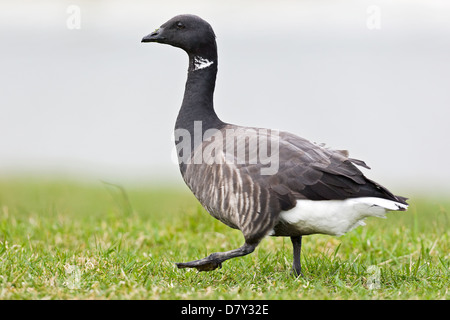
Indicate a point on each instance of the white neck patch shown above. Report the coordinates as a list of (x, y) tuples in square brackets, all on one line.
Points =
[(201, 63)]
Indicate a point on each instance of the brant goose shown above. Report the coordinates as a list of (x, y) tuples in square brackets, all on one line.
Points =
[(262, 182)]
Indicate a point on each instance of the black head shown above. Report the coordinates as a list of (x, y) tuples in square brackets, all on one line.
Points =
[(188, 32)]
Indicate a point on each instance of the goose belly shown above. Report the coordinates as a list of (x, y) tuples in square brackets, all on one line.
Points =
[(220, 190)]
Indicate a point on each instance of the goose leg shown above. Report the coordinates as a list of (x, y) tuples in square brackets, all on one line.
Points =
[(297, 248), (214, 260)]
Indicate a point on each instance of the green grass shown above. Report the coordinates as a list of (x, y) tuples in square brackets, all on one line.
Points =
[(61, 240)]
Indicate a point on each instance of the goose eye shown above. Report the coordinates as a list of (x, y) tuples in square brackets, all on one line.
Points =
[(180, 25)]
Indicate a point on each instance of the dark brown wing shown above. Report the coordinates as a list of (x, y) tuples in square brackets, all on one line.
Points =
[(311, 171)]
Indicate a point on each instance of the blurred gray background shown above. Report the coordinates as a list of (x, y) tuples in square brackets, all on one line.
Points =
[(81, 97)]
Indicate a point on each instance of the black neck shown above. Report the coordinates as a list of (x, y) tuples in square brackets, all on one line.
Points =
[(198, 95)]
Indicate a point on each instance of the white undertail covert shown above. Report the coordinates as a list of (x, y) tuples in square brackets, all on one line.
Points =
[(336, 217)]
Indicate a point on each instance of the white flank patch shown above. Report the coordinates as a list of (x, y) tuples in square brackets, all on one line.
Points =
[(336, 217), (201, 63)]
